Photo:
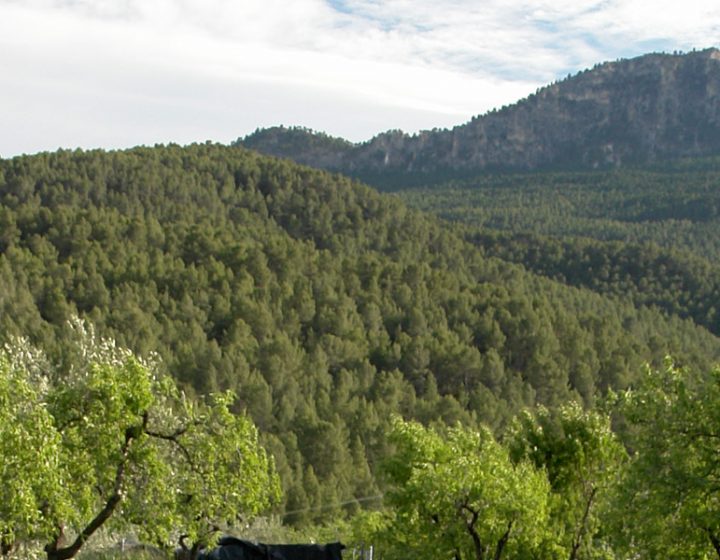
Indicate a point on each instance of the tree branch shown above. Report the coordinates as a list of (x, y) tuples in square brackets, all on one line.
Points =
[(175, 438), (715, 541), (470, 525), (64, 553), (581, 529), (698, 433), (503, 541)]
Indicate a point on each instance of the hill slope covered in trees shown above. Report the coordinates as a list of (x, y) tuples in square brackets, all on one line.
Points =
[(648, 234), (325, 305)]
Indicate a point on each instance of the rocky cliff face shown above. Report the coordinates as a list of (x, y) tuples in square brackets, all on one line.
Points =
[(642, 110)]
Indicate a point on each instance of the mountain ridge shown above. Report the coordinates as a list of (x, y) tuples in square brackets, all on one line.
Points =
[(631, 111)]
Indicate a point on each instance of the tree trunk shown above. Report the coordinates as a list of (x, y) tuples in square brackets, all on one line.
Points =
[(479, 550), (502, 542), (715, 542), (55, 550), (6, 547), (470, 525), (64, 553)]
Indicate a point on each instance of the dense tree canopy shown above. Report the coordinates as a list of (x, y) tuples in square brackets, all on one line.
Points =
[(456, 494), (29, 452), (111, 443), (670, 497), (323, 305), (582, 458), (676, 282), (675, 205), (649, 235)]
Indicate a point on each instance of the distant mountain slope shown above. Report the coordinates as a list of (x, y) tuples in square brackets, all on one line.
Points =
[(675, 206), (640, 110), (679, 283), (650, 234)]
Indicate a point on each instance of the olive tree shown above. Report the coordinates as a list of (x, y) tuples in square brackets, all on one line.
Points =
[(111, 443), (583, 458), (31, 475), (455, 493), (669, 505)]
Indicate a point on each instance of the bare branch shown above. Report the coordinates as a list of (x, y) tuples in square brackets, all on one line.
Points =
[(174, 438)]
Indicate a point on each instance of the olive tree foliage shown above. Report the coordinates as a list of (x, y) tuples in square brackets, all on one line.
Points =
[(111, 443), (455, 493), (669, 499), (31, 477), (583, 458)]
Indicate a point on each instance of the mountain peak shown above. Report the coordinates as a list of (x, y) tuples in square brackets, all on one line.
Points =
[(640, 110)]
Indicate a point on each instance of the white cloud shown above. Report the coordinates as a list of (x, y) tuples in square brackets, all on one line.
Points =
[(117, 73)]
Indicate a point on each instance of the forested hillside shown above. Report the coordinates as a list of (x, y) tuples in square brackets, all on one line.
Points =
[(325, 305), (676, 282), (675, 205), (647, 234)]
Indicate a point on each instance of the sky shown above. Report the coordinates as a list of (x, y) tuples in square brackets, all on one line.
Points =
[(120, 73)]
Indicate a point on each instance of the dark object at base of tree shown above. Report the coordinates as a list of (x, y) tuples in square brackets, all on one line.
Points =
[(230, 548)]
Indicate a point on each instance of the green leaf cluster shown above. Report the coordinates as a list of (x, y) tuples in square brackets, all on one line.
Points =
[(669, 495), (455, 493), (113, 444), (583, 459)]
